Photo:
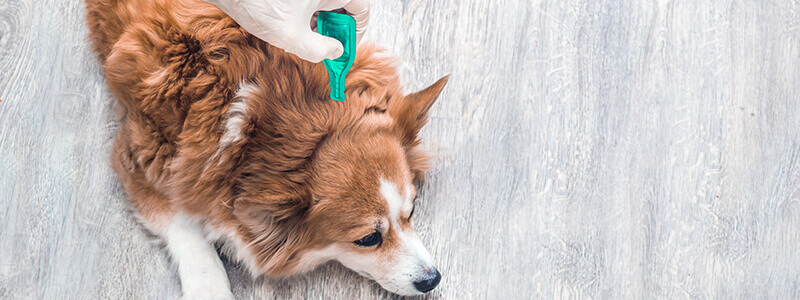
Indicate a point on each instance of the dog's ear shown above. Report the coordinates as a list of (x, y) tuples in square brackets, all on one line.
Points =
[(275, 225), (411, 112)]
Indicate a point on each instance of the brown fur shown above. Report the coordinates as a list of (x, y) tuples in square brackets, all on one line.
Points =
[(300, 170)]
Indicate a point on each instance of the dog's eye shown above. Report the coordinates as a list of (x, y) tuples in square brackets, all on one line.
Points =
[(373, 239)]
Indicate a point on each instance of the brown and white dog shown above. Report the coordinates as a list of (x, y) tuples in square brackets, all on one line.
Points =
[(226, 139)]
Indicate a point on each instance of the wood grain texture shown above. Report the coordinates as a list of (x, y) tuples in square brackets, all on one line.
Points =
[(586, 149)]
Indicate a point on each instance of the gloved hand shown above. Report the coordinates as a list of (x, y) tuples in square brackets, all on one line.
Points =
[(287, 23)]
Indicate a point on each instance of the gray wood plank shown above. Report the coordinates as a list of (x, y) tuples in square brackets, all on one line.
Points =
[(585, 149)]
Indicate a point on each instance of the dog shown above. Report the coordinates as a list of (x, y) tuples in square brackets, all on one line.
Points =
[(226, 140)]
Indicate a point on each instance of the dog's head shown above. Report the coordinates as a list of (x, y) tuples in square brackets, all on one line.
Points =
[(351, 196)]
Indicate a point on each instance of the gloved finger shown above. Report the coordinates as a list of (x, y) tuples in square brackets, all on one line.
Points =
[(359, 9), (314, 47), (331, 4)]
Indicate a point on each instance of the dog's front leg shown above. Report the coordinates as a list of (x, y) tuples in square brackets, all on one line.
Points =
[(201, 271)]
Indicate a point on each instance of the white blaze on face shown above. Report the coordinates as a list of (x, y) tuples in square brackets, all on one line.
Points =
[(400, 205), (411, 259), (396, 201)]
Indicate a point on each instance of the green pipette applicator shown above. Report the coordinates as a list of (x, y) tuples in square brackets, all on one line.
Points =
[(343, 28)]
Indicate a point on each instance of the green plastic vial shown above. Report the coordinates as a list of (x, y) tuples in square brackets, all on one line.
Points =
[(343, 28)]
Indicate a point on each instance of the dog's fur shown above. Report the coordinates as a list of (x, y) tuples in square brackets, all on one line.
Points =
[(226, 138)]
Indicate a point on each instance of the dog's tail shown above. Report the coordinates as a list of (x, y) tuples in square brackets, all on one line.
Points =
[(105, 23)]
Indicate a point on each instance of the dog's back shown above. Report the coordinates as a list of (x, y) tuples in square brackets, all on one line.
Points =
[(160, 55), (174, 67)]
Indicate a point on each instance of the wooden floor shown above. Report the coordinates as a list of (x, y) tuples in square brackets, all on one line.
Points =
[(586, 149)]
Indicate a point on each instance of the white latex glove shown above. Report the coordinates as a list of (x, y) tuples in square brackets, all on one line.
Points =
[(286, 23)]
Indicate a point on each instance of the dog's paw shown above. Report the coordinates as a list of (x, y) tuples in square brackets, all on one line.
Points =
[(207, 295)]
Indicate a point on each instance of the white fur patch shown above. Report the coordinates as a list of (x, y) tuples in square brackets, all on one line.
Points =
[(201, 271), (400, 205), (236, 115), (393, 199), (314, 258)]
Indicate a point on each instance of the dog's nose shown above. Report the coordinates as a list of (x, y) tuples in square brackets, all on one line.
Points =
[(430, 281)]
